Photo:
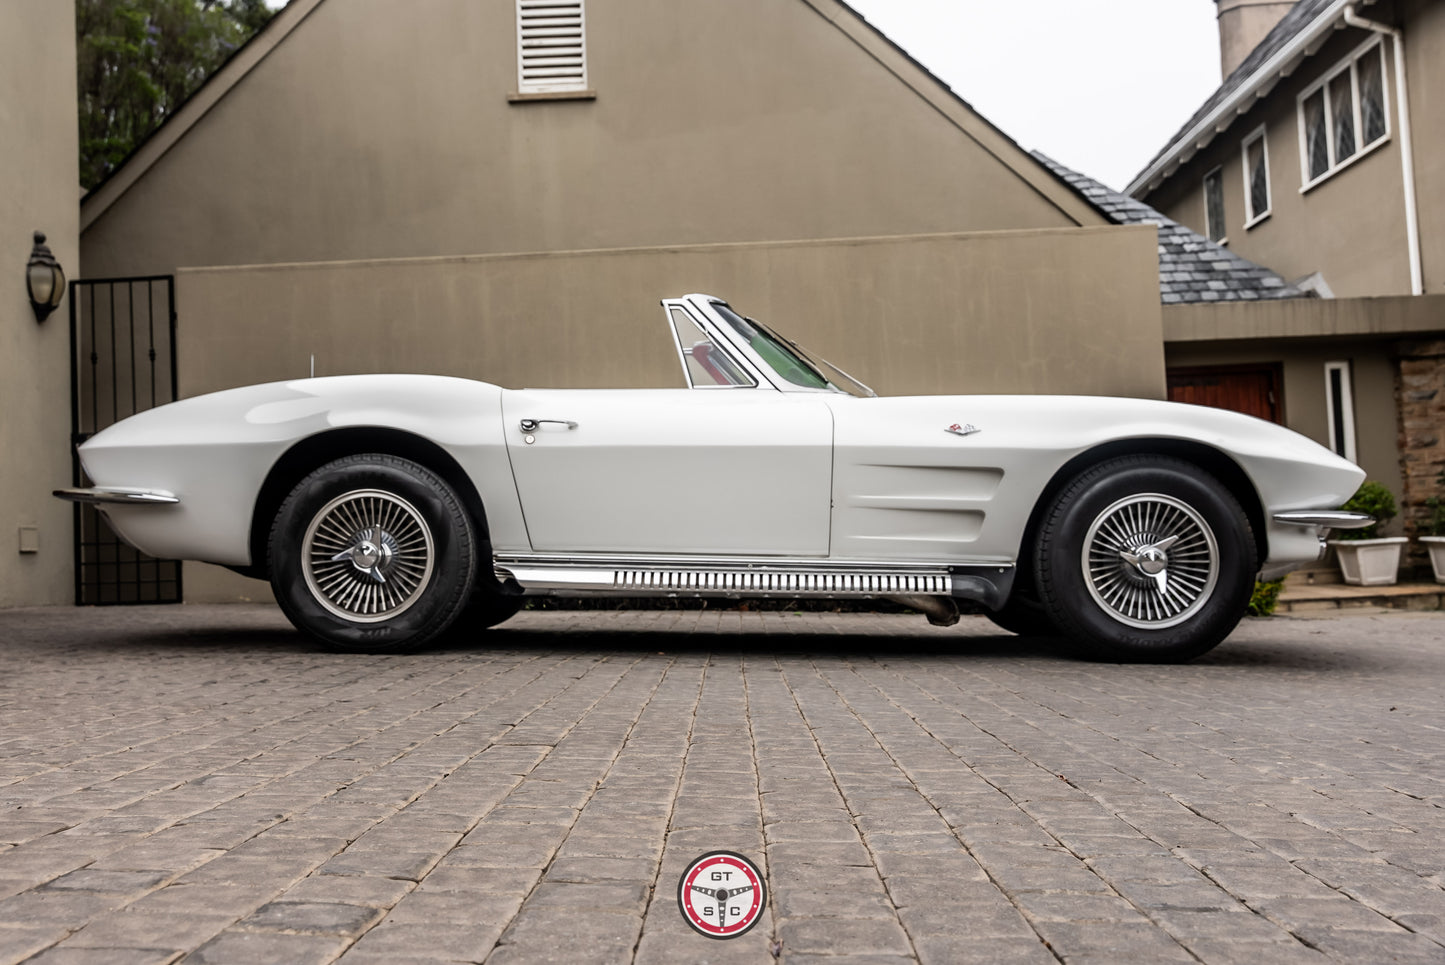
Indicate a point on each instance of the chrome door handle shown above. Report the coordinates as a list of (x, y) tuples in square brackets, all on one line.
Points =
[(530, 425)]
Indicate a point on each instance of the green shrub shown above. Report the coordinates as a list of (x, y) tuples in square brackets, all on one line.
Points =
[(1435, 524), (1265, 598), (1372, 498)]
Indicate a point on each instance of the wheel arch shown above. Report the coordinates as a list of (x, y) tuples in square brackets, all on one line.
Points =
[(313, 452), (1217, 463)]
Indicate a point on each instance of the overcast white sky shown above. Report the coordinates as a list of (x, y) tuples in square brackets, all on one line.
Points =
[(1098, 85)]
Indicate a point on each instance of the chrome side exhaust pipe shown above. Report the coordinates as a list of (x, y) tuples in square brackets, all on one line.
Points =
[(940, 610)]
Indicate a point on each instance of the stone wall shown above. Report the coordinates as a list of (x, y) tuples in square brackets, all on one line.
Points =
[(1420, 389)]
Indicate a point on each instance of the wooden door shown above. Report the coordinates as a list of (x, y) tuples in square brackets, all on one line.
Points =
[(1255, 390)]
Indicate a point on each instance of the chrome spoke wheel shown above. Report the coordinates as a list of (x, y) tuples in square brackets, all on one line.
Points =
[(1150, 561), (367, 556)]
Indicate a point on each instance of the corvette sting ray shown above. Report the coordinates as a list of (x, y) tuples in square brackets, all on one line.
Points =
[(385, 508)]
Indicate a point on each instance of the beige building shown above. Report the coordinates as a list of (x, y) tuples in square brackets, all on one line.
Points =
[(472, 191), (345, 132), (1320, 157), (38, 167)]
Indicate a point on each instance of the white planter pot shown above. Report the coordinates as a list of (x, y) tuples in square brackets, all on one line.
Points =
[(1436, 546), (1369, 562)]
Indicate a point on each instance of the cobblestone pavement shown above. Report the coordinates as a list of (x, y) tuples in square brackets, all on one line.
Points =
[(196, 784)]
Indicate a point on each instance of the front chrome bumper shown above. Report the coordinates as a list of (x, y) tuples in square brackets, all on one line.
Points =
[(1295, 542), (1330, 518), (117, 494)]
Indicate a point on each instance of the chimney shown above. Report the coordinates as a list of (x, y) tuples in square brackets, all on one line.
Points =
[(1242, 25)]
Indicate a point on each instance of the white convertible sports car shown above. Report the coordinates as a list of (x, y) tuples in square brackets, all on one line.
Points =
[(384, 507)]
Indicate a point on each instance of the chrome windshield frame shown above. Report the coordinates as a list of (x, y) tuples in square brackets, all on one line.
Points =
[(702, 309), (710, 327)]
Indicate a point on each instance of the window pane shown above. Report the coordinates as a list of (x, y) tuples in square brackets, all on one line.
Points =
[(775, 353), (1214, 205), (1258, 179), (706, 363), (1372, 95), (1317, 143), (1342, 115)]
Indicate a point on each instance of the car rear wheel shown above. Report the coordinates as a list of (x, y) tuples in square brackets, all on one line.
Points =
[(372, 553), (1146, 558)]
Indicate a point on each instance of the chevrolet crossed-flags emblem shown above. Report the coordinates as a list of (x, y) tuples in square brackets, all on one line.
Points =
[(967, 429)]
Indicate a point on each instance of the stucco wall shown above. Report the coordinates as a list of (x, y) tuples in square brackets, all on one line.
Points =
[(1425, 58), (372, 133), (1069, 310), (39, 169), (1351, 226), (1305, 318), (1065, 311)]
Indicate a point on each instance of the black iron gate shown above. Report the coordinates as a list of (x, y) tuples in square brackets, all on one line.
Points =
[(122, 361)]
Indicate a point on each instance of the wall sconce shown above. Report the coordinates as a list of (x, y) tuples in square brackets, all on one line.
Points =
[(45, 279)]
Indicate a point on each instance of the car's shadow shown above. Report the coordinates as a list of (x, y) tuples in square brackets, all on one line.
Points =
[(1282, 651), (999, 644), (1280, 655), (613, 642)]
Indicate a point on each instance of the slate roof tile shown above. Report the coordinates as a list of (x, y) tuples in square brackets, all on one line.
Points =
[(1191, 267)]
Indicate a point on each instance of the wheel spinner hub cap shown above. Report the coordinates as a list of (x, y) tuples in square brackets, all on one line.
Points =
[(367, 556), (1150, 561), (373, 553)]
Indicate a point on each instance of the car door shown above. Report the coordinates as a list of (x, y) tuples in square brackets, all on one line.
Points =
[(672, 472)]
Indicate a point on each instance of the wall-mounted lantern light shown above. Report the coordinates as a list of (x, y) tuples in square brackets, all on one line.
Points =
[(45, 279)]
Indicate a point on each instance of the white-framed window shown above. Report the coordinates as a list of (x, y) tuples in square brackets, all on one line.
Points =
[(551, 46), (1254, 152), (1340, 409), (1214, 206), (1344, 115)]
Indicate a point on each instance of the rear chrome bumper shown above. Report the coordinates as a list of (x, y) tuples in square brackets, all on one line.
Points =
[(116, 494), (1331, 518)]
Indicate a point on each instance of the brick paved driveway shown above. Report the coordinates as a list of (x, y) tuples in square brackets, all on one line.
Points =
[(194, 783)]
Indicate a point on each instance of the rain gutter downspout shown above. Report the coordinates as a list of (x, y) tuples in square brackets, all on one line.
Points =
[(1407, 158)]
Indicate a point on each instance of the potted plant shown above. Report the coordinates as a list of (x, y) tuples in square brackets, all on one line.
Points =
[(1435, 528), (1367, 558)]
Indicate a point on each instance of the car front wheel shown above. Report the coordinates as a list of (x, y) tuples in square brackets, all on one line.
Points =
[(487, 609), (1146, 558), (372, 553)]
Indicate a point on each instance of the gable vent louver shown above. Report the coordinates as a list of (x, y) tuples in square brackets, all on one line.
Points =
[(551, 46)]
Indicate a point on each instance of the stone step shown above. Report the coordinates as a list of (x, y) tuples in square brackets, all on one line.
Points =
[(1306, 597)]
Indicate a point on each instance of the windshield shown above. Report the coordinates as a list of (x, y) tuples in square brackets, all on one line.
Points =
[(788, 359)]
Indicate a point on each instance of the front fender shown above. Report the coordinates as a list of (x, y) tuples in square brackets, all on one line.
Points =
[(215, 451)]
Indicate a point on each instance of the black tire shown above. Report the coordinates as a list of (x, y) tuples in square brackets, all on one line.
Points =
[(1025, 617), (486, 610), (372, 554), (1170, 561)]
